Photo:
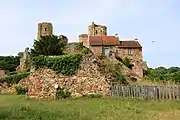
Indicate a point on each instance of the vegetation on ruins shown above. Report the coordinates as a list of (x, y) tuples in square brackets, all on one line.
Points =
[(48, 45), (113, 69), (119, 76), (164, 74), (65, 64), (20, 90), (62, 94), (13, 79), (9, 62), (79, 46), (127, 63)]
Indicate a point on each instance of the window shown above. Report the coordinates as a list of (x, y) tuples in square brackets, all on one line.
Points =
[(45, 29), (106, 51), (96, 32), (129, 51)]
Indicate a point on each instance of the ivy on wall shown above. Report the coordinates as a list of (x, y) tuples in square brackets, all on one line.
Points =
[(64, 64)]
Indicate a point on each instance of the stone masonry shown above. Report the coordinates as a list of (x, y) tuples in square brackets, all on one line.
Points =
[(88, 79), (97, 30), (100, 43), (23, 61), (44, 29), (135, 56)]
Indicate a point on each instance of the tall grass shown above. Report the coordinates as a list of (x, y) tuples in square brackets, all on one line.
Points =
[(18, 108)]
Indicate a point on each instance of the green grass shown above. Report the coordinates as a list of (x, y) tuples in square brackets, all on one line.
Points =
[(14, 107)]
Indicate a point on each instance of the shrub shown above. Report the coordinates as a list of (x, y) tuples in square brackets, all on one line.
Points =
[(94, 95), (66, 64), (127, 62), (20, 90), (86, 51), (79, 46), (113, 69), (120, 77), (61, 94), (14, 79)]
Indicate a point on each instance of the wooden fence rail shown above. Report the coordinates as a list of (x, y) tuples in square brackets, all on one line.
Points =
[(146, 91)]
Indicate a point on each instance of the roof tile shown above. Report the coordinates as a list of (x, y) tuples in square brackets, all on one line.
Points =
[(112, 40)]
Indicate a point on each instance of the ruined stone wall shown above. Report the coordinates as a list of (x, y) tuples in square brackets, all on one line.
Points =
[(88, 79), (97, 50), (44, 29), (97, 30), (135, 58), (2, 73), (84, 39), (24, 61)]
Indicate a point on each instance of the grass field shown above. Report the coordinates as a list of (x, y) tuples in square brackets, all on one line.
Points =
[(13, 107)]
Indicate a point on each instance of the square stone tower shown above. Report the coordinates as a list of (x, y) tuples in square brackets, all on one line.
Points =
[(97, 30), (44, 29)]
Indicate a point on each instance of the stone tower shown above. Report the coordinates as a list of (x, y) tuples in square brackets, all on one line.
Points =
[(44, 29), (97, 30)]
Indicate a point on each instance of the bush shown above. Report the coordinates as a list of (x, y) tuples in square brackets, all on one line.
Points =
[(14, 79), (20, 90), (120, 77), (86, 51), (66, 64), (113, 69), (127, 62), (79, 46), (61, 94), (94, 95)]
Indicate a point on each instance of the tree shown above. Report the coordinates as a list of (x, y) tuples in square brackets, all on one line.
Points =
[(48, 45), (9, 62), (164, 74)]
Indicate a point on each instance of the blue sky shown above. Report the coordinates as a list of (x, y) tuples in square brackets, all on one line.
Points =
[(148, 20)]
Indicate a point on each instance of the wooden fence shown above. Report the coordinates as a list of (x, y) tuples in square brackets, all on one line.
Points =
[(146, 91)]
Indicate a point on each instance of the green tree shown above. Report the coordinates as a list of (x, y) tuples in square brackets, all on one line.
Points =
[(48, 45), (164, 74), (9, 62)]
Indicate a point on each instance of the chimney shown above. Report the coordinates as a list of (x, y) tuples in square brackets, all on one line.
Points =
[(117, 36), (136, 39)]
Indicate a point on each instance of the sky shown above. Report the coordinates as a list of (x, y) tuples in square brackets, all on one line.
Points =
[(147, 20)]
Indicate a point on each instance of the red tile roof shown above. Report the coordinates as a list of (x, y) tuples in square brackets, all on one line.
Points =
[(103, 40), (129, 44), (112, 40)]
